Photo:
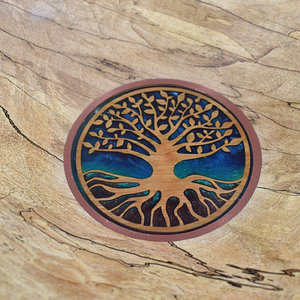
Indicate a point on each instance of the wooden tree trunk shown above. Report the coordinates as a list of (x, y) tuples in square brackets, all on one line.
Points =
[(56, 57)]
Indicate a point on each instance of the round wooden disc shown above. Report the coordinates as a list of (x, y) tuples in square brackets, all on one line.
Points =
[(162, 160)]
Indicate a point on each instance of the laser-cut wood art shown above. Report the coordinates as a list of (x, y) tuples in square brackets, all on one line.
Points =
[(162, 160)]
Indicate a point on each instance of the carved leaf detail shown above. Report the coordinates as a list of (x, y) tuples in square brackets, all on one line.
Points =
[(93, 133), (149, 111), (163, 127), (173, 118), (214, 114), (120, 143), (163, 94), (208, 106), (87, 145), (206, 117), (149, 122), (226, 125), (192, 121), (181, 97), (235, 142), (161, 101), (199, 150), (98, 122), (190, 137), (108, 123), (131, 99)]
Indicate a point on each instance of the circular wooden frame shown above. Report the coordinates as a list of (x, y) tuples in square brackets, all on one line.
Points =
[(252, 137)]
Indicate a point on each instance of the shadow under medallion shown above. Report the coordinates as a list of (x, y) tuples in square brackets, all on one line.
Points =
[(162, 160)]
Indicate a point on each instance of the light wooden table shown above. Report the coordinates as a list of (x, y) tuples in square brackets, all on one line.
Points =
[(56, 57)]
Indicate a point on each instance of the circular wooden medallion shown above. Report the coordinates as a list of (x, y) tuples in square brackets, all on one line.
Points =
[(162, 160)]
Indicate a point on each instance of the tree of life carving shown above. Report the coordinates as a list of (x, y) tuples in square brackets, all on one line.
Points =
[(163, 128)]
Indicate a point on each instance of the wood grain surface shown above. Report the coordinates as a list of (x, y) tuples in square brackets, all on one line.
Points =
[(56, 57)]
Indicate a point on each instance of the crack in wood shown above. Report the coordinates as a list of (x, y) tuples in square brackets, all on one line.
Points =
[(41, 76), (291, 193), (11, 122), (228, 52), (22, 90), (269, 118), (243, 19), (3, 197), (36, 100), (235, 87), (266, 53), (112, 10), (239, 94), (67, 55), (280, 151), (69, 27), (277, 67), (255, 280)]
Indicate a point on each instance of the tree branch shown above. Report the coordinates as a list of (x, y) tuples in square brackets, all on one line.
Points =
[(199, 143), (147, 149), (126, 121), (137, 132), (142, 120), (175, 127), (200, 126), (155, 117), (188, 129), (185, 156), (175, 108), (179, 123), (126, 151), (166, 108)]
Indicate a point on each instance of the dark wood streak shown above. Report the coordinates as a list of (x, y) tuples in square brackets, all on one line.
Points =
[(243, 19), (11, 122), (255, 280), (41, 76)]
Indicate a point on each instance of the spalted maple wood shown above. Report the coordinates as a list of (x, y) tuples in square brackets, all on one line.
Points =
[(56, 57)]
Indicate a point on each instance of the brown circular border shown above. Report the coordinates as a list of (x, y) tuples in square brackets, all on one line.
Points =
[(248, 128)]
